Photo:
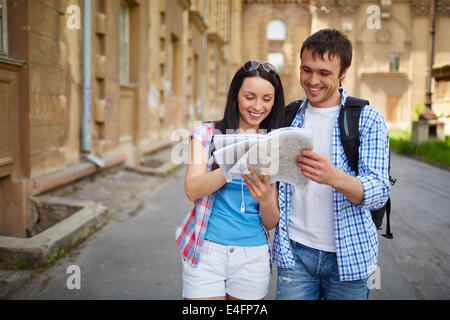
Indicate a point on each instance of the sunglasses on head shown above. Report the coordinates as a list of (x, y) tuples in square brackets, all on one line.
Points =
[(253, 65)]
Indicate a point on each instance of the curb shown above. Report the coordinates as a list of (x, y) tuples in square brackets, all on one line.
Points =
[(161, 171), (63, 235), (67, 233)]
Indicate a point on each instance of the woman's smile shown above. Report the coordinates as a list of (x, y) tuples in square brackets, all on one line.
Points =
[(255, 100)]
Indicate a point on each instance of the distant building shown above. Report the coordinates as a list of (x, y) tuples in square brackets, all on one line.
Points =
[(155, 66), (390, 40)]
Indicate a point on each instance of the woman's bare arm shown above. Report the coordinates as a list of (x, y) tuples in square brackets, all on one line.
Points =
[(198, 183)]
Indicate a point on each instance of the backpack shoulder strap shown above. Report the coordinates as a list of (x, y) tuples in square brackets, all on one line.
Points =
[(349, 127), (290, 111), (352, 102)]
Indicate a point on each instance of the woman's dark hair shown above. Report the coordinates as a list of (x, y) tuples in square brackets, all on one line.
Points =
[(331, 42), (230, 120), (274, 120)]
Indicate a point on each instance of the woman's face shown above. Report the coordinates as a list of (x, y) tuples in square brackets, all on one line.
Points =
[(255, 100)]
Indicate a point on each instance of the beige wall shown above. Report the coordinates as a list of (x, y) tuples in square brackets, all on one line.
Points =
[(256, 45), (174, 80), (404, 30), (441, 88), (41, 86), (194, 64), (11, 199)]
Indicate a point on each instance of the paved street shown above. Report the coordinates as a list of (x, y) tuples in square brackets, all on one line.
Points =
[(135, 255)]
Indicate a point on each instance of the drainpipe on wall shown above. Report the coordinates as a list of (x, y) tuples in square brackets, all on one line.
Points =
[(86, 114), (428, 112)]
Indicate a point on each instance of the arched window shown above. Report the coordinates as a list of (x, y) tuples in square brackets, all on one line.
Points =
[(277, 59), (276, 30)]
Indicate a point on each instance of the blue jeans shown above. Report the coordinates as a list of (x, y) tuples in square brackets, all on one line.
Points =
[(315, 277)]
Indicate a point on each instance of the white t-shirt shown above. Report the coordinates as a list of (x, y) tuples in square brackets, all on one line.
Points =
[(312, 219)]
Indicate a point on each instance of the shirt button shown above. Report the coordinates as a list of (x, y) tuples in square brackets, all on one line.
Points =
[(231, 250)]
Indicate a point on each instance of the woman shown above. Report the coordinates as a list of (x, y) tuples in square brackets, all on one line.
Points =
[(224, 240)]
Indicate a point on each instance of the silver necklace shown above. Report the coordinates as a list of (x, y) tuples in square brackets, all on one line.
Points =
[(242, 195)]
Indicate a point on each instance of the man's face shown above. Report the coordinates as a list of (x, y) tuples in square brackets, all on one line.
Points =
[(320, 79)]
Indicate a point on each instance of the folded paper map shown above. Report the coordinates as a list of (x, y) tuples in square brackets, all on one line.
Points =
[(272, 154)]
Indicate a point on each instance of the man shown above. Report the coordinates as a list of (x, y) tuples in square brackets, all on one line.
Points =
[(326, 244)]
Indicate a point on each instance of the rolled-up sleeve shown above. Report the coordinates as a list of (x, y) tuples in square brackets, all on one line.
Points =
[(373, 165), (202, 133)]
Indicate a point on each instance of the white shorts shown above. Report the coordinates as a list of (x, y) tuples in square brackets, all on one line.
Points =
[(241, 272)]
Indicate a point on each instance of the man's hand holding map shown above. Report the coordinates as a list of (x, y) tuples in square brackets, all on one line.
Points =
[(272, 154)]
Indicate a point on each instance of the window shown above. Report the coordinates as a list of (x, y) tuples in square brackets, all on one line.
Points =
[(442, 89), (277, 59), (124, 42), (394, 62), (175, 58), (276, 30), (3, 28)]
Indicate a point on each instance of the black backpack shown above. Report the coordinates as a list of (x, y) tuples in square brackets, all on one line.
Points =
[(349, 127)]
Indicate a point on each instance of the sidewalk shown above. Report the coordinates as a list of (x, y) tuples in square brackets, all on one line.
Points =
[(123, 190), (135, 255)]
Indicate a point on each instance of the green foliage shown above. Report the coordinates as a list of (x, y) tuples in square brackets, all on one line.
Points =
[(38, 266), (438, 151), (418, 109), (434, 151), (398, 134), (19, 264)]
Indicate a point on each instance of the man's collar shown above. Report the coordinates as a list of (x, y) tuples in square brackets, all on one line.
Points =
[(344, 96)]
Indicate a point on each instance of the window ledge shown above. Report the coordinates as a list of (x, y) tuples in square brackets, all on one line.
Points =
[(128, 85), (384, 74), (11, 61), (6, 166)]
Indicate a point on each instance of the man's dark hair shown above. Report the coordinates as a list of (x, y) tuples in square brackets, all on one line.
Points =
[(331, 42)]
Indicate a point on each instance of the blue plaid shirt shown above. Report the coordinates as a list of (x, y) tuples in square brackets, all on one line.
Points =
[(355, 234)]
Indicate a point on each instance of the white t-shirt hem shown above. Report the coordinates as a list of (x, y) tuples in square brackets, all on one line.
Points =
[(313, 245)]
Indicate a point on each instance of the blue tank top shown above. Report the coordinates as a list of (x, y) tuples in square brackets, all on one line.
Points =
[(227, 225)]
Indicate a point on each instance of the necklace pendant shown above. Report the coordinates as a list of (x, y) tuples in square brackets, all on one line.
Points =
[(242, 207)]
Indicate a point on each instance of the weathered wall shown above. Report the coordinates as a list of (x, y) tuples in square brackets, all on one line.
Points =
[(174, 80), (41, 88), (256, 45)]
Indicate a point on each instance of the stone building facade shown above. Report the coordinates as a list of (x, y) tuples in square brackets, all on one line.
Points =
[(158, 65), (390, 39), (154, 66)]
